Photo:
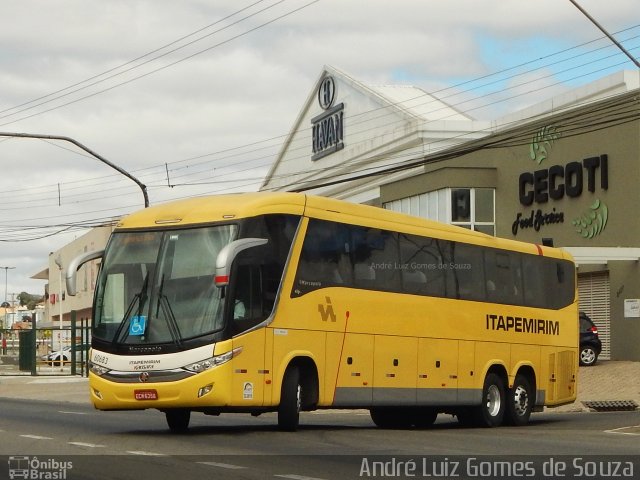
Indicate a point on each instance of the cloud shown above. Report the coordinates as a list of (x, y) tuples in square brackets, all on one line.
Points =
[(246, 86)]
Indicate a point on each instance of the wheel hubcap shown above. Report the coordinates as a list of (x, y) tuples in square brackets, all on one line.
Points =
[(521, 401), (588, 356), (493, 400)]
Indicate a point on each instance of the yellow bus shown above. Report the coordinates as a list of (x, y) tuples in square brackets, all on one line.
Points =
[(287, 302)]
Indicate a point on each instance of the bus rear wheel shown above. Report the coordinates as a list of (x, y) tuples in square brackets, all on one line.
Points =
[(290, 401), (178, 419), (491, 412), (519, 402)]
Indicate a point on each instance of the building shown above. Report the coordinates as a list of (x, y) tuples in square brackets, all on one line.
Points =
[(347, 129), (58, 304), (562, 171)]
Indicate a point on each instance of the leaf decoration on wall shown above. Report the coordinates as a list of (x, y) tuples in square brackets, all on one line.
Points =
[(591, 223), (542, 142)]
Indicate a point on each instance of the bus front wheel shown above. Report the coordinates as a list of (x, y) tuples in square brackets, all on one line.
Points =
[(178, 420), (290, 401)]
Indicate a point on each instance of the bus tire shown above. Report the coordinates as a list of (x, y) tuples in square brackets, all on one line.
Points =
[(519, 402), (290, 401), (178, 419), (491, 411), (385, 417)]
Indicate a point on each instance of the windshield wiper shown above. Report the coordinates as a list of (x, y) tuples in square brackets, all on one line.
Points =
[(163, 302)]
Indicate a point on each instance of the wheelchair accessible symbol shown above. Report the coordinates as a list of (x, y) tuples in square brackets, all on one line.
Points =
[(137, 325)]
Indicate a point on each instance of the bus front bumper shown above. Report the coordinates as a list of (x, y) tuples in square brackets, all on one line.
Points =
[(198, 391)]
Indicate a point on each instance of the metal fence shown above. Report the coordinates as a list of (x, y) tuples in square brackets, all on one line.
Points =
[(46, 351)]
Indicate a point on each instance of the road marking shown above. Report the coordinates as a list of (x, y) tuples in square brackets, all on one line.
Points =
[(83, 444), (143, 453), (298, 477), (72, 413), (635, 430), (222, 465), (36, 437)]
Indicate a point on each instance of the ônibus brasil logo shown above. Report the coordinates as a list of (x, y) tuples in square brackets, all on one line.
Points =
[(36, 469)]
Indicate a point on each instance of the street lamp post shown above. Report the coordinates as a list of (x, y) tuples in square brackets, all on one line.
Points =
[(142, 186), (4, 340), (6, 269)]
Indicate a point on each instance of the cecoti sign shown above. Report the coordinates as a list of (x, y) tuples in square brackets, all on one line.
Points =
[(557, 181)]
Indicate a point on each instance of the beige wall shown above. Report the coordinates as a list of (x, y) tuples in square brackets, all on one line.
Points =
[(95, 239), (625, 332)]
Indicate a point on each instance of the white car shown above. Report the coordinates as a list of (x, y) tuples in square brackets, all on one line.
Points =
[(53, 358)]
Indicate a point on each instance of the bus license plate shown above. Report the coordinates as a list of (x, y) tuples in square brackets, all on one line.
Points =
[(145, 394)]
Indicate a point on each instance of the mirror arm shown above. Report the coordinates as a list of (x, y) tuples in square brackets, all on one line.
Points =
[(75, 264)]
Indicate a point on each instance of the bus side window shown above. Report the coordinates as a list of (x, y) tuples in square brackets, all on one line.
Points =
[(422, 266), (503, 277), (467, 269), (534, 281), (376, 259), (324, 261)]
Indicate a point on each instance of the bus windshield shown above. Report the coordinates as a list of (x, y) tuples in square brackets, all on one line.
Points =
[(158, 287)]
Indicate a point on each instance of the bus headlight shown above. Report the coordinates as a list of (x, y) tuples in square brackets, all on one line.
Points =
[(98, 370), (208, 363)]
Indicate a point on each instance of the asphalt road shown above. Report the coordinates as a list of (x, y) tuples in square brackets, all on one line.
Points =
[(329, 445)]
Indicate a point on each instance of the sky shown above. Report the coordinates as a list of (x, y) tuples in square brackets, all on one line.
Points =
[(197, 96)]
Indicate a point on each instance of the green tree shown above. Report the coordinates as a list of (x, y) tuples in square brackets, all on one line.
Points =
[(29, 300)]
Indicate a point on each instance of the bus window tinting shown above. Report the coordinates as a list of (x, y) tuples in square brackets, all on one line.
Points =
[(336, 254), (257, 272)]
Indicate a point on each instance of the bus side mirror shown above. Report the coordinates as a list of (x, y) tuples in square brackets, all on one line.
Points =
[(75, 264), (228, 254)]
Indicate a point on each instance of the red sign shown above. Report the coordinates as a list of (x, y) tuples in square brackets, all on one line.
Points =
[(150, 394)]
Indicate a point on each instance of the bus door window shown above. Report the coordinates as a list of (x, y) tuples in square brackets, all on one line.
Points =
[(257, 272), (246, 298)]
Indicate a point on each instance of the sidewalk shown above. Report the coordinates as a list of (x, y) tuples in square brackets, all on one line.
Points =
[(607, 380)]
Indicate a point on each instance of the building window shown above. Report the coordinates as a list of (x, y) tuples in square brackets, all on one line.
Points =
[(472, 208)]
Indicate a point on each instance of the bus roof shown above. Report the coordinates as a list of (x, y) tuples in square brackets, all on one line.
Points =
[(217, 208)]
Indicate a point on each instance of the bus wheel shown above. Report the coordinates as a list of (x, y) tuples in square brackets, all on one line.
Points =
[(391, 417), (178, 420), (290, 401), (491, 411), (519, 402), (424, 417)]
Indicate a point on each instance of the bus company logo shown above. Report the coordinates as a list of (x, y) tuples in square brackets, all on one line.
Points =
[(34, 468), (326, 310), (327, 92), (144, 377)]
